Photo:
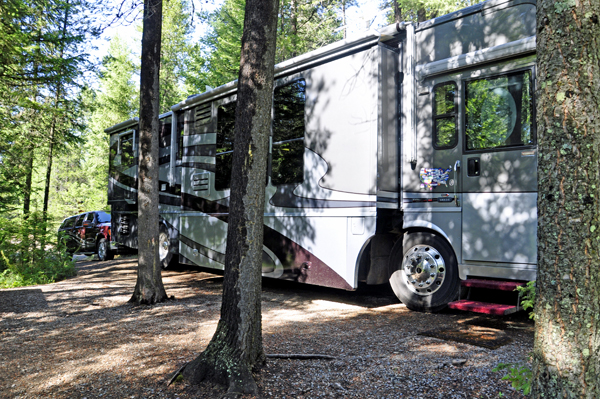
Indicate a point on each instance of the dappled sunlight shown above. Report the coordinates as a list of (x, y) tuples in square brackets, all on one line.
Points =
[(434, 346), (88, 343)]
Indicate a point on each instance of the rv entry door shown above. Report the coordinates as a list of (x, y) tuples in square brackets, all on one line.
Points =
[(499, 170)]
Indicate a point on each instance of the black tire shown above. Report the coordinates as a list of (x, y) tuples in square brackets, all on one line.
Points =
[(103, 250), (165, 250), (425, 272)]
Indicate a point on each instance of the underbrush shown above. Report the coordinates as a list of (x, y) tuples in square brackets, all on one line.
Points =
[(30, 253)]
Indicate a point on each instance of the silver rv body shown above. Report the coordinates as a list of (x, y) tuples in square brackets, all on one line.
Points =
[(408, 154)]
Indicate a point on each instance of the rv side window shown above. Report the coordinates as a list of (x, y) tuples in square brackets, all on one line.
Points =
[(287, 165), (180, 134), (499, 112), (164, 138), (224, 157), (126, 149), (445, 134)]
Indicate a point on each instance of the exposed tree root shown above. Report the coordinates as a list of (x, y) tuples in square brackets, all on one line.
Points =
[(139, 299), (223, 364), (301, 356)]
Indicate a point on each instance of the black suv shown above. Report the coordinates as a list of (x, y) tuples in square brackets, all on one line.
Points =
[(88, 233)]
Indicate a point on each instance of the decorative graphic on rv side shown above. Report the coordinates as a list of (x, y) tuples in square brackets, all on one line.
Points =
[(433, 177), (298, 263)]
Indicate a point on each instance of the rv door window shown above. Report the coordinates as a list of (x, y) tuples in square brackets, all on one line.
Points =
[(499, 112), (444, 116), (224, 156), (287, 161)]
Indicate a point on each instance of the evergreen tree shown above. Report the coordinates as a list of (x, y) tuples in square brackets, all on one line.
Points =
[(422, 10), (39, 86), (149, 288), (175, 49), (236, 347), (118, 97), (566, 352), (304, 25)]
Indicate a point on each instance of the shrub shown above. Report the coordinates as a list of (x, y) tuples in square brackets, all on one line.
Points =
[(519, 375), (30, 253), (527, 293)]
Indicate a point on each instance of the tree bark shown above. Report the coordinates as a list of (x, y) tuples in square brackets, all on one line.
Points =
[(566, 359), (397, 12), (236, 348), (149, 288)]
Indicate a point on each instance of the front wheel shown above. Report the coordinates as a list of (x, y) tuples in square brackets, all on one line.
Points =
[(425, 272), (103, 250)]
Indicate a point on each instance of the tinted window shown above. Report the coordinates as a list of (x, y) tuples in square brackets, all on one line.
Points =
[(224, 156), (103, 217), (126, 149), (164, 138), (70, 222), (444, 116), (180, 134), (499, 112), (79, 221), (287, 163), (90, 217)]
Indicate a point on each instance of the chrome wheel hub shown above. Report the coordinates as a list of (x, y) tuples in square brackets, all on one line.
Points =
[(163, 245), (423, 269), (102, 251)]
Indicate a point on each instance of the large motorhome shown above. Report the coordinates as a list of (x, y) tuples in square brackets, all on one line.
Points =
[(406, 155)]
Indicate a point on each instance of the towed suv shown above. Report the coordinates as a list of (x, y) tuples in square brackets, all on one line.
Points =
[(88, 233)]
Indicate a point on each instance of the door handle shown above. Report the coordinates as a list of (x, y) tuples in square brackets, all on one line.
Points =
[(473, 167)]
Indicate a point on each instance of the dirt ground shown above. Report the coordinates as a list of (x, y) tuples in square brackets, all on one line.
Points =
[(80, 338)]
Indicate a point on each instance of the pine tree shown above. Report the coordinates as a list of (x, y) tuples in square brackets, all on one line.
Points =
[(566, 353)]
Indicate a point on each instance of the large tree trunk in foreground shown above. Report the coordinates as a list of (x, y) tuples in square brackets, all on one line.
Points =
[(566, 361), (149, 288), (236, 348)]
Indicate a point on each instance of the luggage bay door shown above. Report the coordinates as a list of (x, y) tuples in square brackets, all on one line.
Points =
[(499, 170)]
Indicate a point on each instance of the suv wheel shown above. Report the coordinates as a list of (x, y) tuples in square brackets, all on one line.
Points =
[(103, 250)]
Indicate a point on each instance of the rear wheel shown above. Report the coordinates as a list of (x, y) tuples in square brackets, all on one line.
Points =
[(103, 250), (164, 248), (425, 272)]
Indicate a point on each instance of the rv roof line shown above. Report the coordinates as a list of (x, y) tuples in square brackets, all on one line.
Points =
[(295, 64), (165, 114), (121, 125)]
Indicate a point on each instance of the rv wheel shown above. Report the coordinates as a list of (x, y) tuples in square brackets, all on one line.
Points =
[(425, 272), (164, 247)]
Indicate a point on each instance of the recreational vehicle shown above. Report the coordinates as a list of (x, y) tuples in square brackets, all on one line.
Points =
[(407, 155)]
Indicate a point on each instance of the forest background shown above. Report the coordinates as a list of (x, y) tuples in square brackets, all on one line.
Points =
[(58, 92)]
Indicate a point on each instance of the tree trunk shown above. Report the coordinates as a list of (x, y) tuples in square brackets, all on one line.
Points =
[(149, 288), (57, 99), (421, 14), (566, 360), (397, 12), (294, 27), (28, 181), (236, 348)]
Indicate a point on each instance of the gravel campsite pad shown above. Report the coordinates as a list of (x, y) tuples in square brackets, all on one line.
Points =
[(80, 338)]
